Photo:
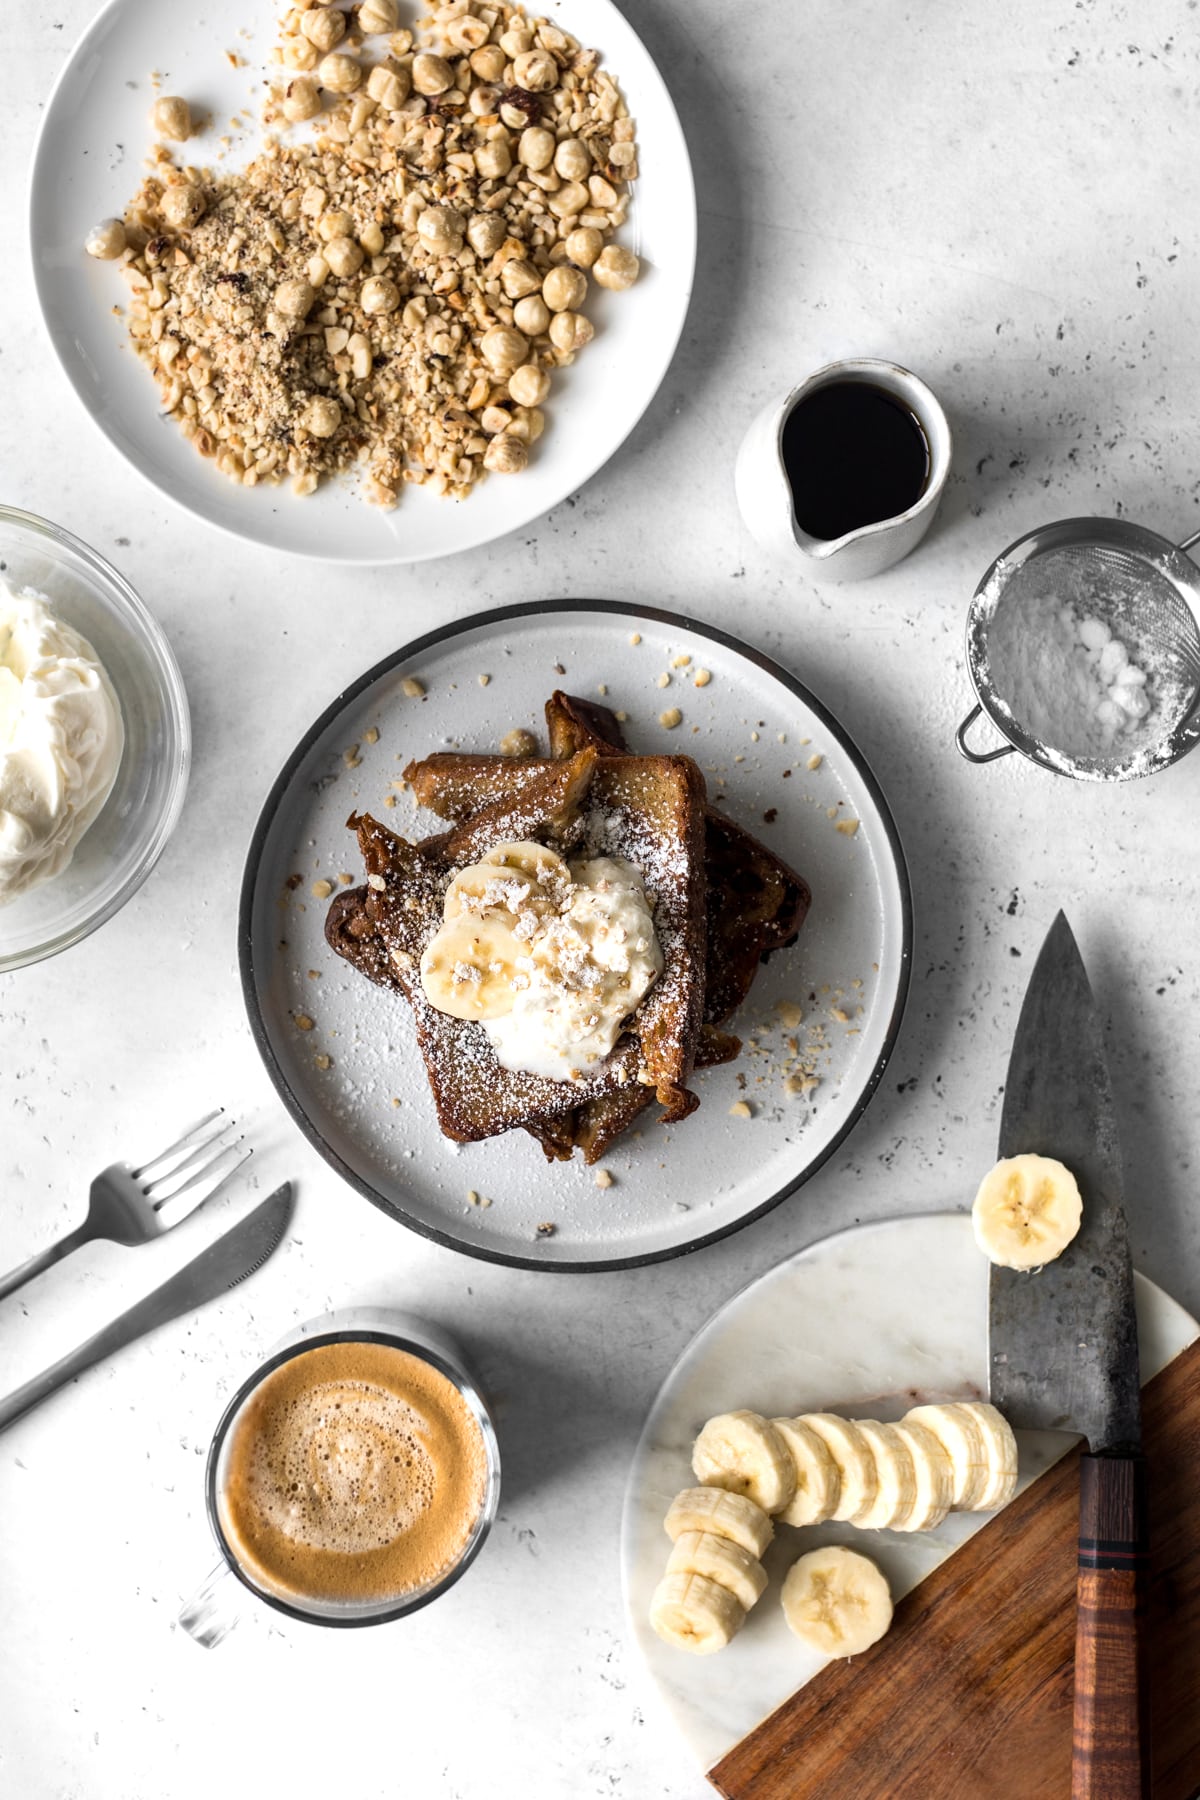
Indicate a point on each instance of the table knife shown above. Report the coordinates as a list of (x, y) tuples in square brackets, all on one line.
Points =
[(231, 1259), (1063, 1356)]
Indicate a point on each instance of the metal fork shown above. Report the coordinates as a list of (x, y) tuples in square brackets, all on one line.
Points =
[(133, 1205)]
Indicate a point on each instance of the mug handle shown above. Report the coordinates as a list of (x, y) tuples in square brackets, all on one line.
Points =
[(977, 756), (213, 1610)]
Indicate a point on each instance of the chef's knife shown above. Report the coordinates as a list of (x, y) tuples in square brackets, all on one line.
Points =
[(1063, 1354), (231, 1259)]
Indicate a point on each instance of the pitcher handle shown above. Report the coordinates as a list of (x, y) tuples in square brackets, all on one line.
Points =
[(977, 756), (214, 1609)]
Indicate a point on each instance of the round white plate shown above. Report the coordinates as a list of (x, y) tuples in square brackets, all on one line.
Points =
[(87, 166), (370, 1112), (867, 1323)]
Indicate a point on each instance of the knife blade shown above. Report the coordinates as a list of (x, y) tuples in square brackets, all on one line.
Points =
[(232, 1259), (1063, 1354), (1062, 1343)]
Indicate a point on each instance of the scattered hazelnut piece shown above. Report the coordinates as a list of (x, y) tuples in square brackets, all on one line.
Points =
[(740, 1110), (303, 1022), (171, 117), (847, 827), (664, 680), (815, 760), (412, 688), (518, 742), (703, 677), (106, 240), (323, 1061), (670, 719), (681, 661), (603, 1178), (321, 890)]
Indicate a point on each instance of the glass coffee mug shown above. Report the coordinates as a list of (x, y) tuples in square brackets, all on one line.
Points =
[(352, 1479)]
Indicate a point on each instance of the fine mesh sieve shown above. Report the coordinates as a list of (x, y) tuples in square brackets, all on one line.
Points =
[(1041, 696)]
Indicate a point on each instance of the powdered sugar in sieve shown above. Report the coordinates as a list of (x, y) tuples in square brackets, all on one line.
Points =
[(1084, 649)]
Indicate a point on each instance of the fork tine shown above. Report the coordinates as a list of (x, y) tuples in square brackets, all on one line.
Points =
[(193, 1162), (202, 1186), (181, 1144)]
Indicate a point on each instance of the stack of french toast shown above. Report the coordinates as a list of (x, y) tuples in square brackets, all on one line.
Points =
[(721, 903)]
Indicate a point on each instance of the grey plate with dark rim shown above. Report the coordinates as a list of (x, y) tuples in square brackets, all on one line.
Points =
[(354, 1081)]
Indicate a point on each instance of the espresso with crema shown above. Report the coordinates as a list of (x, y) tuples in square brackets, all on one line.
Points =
[(355, 1473)]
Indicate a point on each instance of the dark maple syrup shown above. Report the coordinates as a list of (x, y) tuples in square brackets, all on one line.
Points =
[(853, 455)]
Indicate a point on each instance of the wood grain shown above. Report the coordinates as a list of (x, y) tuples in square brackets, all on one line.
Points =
[(1111, 1756), (969, 1696)]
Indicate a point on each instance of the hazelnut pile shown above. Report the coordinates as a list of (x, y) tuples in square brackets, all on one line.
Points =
[(399, 290)]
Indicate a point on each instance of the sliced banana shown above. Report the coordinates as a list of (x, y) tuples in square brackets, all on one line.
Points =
[(531, 859), (933, 1474), (467, 968), (895, 1476), (713, 1509), (719, 1560), (742, 1452), (836, 1601), (852, 1454), (1026, 1212), (818, 1480), (488, 892), (694, 1613), (958, 1432), (1000, 1451)]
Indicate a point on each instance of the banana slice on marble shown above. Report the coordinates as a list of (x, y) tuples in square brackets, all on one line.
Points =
[(1000, 1452), (743, 1452), (467, 968), (1027, 1211), (718, 1559), (959, 1433), (713, 1509), (895, 1479), (696, 1614), (836, 1601), (933, 1474), (818, 1481), (852, 1454)]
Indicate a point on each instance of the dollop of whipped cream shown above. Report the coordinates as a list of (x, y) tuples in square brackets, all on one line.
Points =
[(550, 957), (61, 738)]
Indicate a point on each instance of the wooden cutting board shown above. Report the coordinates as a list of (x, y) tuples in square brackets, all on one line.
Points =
[(968, 1697)]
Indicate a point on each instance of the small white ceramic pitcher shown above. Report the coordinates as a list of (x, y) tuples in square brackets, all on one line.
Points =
[(764, 494)]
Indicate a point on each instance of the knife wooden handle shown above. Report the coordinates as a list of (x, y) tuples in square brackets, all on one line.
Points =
[(1110, 1757)]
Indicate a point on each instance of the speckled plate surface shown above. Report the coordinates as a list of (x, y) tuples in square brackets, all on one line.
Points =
[(866, 1322), (354, 1080), (87, 166)]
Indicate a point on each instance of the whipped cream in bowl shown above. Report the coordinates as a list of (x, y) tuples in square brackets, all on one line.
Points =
[(94, 740), (549, 956), (61, 738)]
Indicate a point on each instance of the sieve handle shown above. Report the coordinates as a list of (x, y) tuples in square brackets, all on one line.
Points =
[(977, 756), (1190, 543)]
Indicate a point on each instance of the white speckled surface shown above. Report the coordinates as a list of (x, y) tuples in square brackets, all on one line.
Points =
[(998, 198)]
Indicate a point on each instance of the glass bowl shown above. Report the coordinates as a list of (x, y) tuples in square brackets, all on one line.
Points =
[(124, 842)]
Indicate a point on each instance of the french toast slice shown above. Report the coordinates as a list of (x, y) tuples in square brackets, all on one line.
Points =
[(651, 814), (755, 902)]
